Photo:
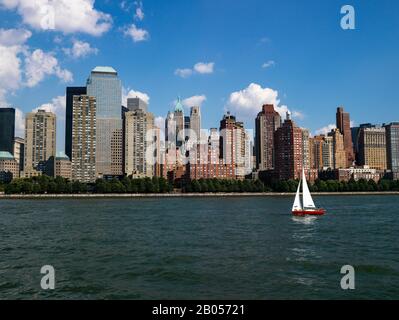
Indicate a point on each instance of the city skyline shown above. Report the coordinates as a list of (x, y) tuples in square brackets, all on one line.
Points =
[(201, 63)]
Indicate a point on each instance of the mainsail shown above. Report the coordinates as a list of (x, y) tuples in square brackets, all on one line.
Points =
[(307, 198), (297, 203)]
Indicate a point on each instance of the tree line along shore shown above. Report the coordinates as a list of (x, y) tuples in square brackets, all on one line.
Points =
[(48, 185)]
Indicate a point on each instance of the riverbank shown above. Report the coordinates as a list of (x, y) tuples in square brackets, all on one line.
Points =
[(186, 195)]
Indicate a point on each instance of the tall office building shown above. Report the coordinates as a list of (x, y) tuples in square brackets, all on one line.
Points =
[(288, 150), (84, 141), (339, 152), (7, 129), (179, 119), (40, 140), (373, 148), (195, 123), (70, 93), (392, 141), (140, 134), (344, 126), (19, 152), (266, 124), (105, 86)]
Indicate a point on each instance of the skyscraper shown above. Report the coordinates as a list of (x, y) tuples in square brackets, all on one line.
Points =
[(266, 123), (70, 93), (195, 123), (339, 152), (84, 141), (40, 139), (344, 126), (233, 142), (289, 150), (7, 129), (392, 141), (179, 119), (328, 152), (104, 85), (373, 148), (139, 136), (306, 149)]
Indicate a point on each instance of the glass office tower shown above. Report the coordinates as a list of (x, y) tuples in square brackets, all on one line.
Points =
[(7, 127), (106, 87)]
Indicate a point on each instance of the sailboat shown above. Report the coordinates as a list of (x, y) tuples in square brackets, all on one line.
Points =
[(307, 207)]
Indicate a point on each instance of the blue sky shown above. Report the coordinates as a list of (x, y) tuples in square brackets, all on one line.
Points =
[(294, 48)]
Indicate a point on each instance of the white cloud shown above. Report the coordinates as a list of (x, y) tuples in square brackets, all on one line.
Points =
[(136, 34), (199, 68), (12, 45), (268, 64), (183, 73), (194, 101), (38, 64), (325, 130), (80, 49), (62, 15), (247, 103), (204, 68), (56, 106), (160, 122), (128, 93), (14, 37)]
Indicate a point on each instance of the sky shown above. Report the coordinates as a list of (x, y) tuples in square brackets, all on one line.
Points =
[(223, 55)]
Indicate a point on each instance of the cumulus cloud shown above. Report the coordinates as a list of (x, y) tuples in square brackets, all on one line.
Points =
[(80, 49), (62, 15), (198, 68), (204, 68), (12, 45), (194, 101), (56, 106), (129, 93), (247, 103), (14, 37), (38, 64), (136, 34), (325, 130)]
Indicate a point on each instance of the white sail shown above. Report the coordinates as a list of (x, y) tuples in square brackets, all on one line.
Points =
[(297, 203), (307, 197)]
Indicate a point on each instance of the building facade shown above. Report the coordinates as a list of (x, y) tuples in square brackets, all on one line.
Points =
[(339, 152), (344, 126), (9, 167), (70, 93), (139, 137), (288, 150), (105, 86), (40, 140), (373, 148), (266, 124), (195, 124), (84, 141), (392, 142), (19, 152), (7, 129)]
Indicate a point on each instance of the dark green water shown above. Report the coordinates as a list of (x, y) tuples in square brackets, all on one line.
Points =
[(191, 248)]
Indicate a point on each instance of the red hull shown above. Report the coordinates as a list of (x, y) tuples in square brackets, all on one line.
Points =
[(318, 212)]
